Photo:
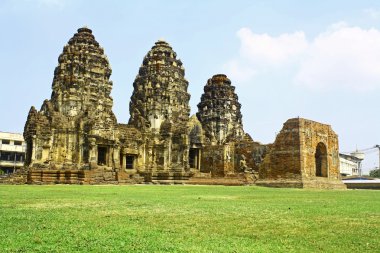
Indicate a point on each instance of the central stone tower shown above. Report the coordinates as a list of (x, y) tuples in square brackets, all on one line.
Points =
[(160, 109), (160, 90)]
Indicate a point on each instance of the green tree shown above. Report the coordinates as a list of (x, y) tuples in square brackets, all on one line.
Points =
[(375, 173)]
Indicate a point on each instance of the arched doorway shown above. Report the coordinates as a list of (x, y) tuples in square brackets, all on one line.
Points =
[(321, 160)]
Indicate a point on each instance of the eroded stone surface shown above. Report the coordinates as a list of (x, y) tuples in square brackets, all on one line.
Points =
[(81, 80), (160, 90)]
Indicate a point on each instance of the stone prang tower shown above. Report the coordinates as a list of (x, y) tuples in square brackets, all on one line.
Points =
[(219, 111), (81, 79), (76, 127), (160, 90), (159, 108)]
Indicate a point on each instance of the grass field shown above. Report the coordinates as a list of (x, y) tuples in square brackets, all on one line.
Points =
[(146, 218)]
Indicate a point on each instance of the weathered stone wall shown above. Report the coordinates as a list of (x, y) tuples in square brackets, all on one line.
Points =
[(218, 160), (131, 144), (94, 176), (249, 154), (284, 161)]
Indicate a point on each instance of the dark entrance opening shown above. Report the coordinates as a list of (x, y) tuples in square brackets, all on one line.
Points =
[(29, 151), (102, 155), (129, 162), (321, 160), (194, 158)]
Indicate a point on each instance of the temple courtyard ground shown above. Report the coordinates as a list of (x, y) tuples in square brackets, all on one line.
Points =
[(151, 218)]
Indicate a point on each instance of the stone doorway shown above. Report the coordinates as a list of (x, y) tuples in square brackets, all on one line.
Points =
[(321, 160), (194, 158), (130, 162), (102, 155)]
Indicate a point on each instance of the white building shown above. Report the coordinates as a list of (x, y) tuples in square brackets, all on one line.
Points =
[(12, 152), (350, 165)]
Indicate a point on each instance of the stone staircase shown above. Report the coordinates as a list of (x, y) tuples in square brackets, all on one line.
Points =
[(173, 176), (56, 176), (228, 180), (324, 183)]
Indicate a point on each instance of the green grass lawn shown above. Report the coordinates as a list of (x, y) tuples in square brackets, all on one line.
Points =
[(146, 218)]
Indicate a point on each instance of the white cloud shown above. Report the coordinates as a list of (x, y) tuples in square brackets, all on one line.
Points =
[(342, 57), (259, 52), (266, 50)]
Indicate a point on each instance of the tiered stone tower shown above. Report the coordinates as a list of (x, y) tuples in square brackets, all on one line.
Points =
[(221, 119), (81, 79), (160, 108), (160, 90), (76, 127), (219, 111)]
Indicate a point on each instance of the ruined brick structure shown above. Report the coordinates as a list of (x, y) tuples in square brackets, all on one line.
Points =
[(304, 154), (75, 137)]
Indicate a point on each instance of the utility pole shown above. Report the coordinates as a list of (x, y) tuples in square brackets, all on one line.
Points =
[(14, 163), (378, 147)]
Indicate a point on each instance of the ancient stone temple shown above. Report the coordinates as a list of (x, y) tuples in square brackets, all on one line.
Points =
[(75, 137)]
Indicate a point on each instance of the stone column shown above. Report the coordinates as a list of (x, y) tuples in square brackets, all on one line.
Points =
[(92, 156), (33, 155), (45, 152), (199, 159), (124, 157), (116, 156)]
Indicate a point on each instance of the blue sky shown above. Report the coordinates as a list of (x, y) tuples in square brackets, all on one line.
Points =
[(313, 59)]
